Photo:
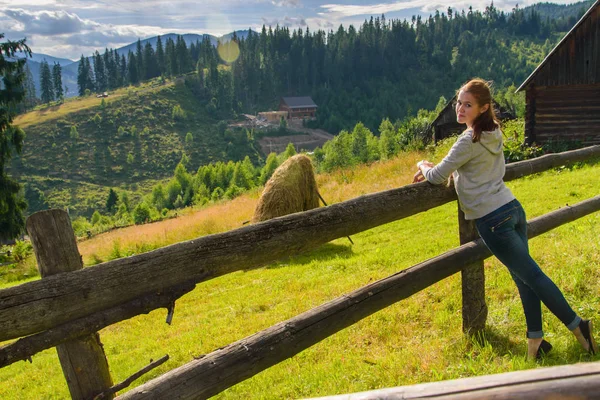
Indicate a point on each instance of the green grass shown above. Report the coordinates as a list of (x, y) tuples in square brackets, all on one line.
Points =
[(416, 340)]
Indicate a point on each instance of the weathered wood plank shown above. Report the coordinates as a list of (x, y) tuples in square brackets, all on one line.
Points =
[(474, 307), (580, 381), (54, 301), (238, 361), (82, 359), (28, 346)]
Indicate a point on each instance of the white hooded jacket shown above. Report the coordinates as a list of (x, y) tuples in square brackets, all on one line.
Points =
[(477, 169)]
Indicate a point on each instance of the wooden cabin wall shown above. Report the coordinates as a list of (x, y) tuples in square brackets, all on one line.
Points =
[(565, 113)]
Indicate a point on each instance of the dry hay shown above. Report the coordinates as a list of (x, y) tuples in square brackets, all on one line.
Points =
[(292, 188)]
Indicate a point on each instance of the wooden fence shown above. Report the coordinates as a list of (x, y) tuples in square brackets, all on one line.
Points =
[(62, 308), (577, 381)]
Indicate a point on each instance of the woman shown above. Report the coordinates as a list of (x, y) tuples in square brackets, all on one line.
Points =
[(476, 163)]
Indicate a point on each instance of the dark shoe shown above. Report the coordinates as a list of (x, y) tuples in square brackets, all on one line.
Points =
[(586, 330), (544, 348)]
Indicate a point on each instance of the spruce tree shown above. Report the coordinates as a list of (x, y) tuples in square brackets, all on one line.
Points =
[(172, 68), (46, 84), (57, 78), (160, 56), (111, 201), (150, 62), (100, 73), (85, 79), (123, 68), (139, 58), (81, 76), (30, 97), (12, 204), (132, 70)]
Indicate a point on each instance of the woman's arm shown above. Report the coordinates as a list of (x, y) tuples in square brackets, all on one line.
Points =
[(458, 155)]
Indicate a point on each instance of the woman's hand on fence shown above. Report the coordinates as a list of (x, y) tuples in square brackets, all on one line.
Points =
[(418, 177), (423, 166)]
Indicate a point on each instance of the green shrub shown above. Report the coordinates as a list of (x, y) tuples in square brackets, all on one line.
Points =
[(73, 133), (96, 218), (21, 250), (178, 113), (189, 138), (141, 213)]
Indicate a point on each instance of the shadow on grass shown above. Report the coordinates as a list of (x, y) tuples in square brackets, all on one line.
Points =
[(499, 342), (326, 252)]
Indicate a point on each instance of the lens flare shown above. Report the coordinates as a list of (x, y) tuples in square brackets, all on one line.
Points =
[(228, 51)]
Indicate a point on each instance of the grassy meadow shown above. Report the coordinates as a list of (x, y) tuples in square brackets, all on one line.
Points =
[(416, 340)]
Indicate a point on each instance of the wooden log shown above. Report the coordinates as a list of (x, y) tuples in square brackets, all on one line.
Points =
[(474, 308), (82, 360), (57, 300), (28, 346), (576, 381), (223, 368)]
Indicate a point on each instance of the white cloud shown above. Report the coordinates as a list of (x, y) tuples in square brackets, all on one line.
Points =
[(49, 22), (286, 3), (286, 21), (349, 10)]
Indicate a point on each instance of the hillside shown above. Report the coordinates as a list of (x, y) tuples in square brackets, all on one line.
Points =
[(132, 137)]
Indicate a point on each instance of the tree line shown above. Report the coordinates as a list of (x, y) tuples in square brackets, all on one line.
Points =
[(383, 69)]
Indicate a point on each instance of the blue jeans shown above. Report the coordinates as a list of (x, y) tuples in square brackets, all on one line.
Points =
[(504, 232)]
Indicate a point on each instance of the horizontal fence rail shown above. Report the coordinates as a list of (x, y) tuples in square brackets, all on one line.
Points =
[(578, 381), (25, 348), (221, 369), (62, 298)]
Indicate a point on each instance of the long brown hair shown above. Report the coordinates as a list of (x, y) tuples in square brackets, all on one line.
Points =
[(487, 121)]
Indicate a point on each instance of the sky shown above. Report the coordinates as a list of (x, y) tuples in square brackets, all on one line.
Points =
[(71, 28)]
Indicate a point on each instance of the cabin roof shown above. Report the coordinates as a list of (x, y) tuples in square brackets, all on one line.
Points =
[(299, 102), (561, 43)]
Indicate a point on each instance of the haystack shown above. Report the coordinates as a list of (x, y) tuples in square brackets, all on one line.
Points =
[(292, 188)]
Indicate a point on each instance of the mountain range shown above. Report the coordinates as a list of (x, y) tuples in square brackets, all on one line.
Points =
[(70, 67)]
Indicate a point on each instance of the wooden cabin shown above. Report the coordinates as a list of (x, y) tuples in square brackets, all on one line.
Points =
[(445, 124), (298, 107), (563, 93)]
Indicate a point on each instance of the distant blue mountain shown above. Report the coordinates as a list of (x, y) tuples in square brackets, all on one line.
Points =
[(70, 68), (38, 57)]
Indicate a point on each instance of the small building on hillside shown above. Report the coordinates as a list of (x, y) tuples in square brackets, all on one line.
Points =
[(563, 93), (298, 107), (445, 124)]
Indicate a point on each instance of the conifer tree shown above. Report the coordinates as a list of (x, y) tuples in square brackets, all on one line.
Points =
[(172, 68), (111, 201), (139, 60), (85, 79), (183, 56), (46, 84), (57, 79), (12, 204), (100, 73), (150, 62), (123, 71), (30, 99), (160, 56), (132, 71)]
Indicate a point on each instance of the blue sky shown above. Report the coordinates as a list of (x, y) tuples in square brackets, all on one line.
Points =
[(70, 28)]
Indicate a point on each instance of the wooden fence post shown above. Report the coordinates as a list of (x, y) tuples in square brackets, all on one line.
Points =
[(83, 360), (474, 308)]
